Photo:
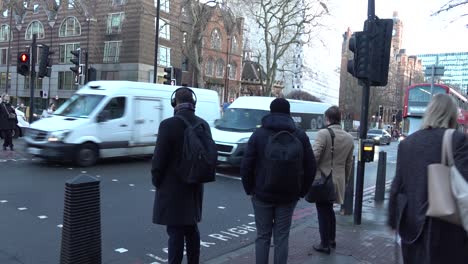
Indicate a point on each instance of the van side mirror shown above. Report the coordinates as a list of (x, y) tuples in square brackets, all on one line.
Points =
[(103, 116)]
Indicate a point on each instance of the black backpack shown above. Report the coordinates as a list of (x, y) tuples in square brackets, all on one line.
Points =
[(283, 163), (199, 153)]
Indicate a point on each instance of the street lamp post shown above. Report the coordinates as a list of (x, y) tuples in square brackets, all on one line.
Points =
[(10, 13), (156, 42)]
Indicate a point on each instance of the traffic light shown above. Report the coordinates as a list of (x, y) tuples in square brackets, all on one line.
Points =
[(380, 110), (168, 74), (359, 45), (379, 49), (178, 76), (76, 60), (45, 64), (92, 74), (22, 65)]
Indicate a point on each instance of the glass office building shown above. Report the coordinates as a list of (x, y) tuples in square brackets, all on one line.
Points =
[(455, 67)]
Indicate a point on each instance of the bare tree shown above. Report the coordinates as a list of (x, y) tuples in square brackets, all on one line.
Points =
[(302, 95), (450, 6), (283, 24)]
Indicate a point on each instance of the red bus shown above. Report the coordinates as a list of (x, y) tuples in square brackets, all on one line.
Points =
[(417, 98)]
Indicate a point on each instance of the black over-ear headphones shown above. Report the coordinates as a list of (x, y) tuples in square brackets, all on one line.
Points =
[(173, 100)]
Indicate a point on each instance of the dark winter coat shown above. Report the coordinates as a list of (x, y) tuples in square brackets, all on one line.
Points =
[(5, 122), (252, 166), (176, 203), (425, 239)]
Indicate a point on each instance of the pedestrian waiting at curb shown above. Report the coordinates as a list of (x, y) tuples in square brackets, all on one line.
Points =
[(8, 121), (277, 169), (333, 149), (426, 239), (179, 178)]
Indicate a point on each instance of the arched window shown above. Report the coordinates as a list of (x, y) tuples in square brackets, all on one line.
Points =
[(209, 67), (215, 39), (70, 27), (234, 45), (219, 68), (35, 27), (232, 70), (4, 33)]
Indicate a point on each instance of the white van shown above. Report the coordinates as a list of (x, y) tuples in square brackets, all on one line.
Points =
[(232, 132), (110, 119)]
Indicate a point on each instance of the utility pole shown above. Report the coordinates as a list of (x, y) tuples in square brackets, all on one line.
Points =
[(7, 84), (156, 43), (32, 77)]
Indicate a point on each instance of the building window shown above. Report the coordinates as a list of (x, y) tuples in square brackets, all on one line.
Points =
[(216, 39), (234, 45), (109, 75), (219, 68), (183, 11), (70, 4), (164, 5), (4, 33), (5, 13), (112, 51), (164, 29), (184, 37), (114, 22), (232, 70), (164, 56), (209, 67), (66, 81), (70, 27), (35, 27), (3, 79), (118, 2), (38, 83), (64, 52), (36, 8), (3, 56)]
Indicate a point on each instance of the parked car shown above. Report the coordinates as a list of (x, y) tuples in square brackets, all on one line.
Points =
[(380, 136)]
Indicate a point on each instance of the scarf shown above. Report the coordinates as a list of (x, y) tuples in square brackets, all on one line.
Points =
[(184, 106)]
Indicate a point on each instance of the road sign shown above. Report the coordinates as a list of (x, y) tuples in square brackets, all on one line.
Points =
[(438, 71), (45, 94)]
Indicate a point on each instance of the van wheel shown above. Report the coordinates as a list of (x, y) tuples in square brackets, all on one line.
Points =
[(86, 155)]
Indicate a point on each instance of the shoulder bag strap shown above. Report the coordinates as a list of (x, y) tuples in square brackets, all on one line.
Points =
[(447, 148), (4, 106), (332, 135), (187, 123)]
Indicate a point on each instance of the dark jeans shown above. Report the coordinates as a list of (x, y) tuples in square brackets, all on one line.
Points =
[(177, 236), (272, 218), (327, 222), (8, 138)]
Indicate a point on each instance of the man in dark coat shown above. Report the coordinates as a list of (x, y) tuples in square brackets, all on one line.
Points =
[(274, 209), (177, 205), (7, 124)]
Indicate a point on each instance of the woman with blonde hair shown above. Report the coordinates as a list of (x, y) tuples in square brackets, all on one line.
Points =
[(425, 239)]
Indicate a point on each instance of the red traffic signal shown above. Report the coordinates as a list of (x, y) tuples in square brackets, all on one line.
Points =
[(24, 57)]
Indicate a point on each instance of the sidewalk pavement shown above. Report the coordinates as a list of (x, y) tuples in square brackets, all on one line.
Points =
[(372, 242)]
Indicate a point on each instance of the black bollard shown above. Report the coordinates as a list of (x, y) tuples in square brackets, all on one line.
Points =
[(349, 192), (381, 175), (81, 232)]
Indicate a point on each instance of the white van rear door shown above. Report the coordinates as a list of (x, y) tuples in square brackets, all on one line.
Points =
[(148, 115)]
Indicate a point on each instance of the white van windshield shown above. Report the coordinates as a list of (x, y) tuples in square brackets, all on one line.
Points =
[(79, 105), (243, 120)]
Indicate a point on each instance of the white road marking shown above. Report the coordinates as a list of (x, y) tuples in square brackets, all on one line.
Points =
[(83, 172), (70, 168), (153, 190), (42, 216), (60, 226), (22, 208), (99, 176), (3, 201), (121, 250), (115, 180), (131, 185), (221, 207), (229, 176), (156, 258), (251, 215)]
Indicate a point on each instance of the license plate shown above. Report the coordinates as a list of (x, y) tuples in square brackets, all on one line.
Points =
[(221, 158), (34, 151)]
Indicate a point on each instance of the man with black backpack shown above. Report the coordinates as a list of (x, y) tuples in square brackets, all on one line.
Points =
[(184, 158), (277, 169)]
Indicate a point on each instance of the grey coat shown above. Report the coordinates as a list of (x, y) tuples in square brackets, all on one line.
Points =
[(342, 157), (425, 239)]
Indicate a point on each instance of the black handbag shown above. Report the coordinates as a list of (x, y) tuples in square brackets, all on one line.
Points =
[(323, 189)]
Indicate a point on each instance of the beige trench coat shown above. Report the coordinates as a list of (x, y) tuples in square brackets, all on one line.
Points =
[(342, 157)]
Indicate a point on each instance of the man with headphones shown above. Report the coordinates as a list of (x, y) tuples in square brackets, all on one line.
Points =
[(177, 205)]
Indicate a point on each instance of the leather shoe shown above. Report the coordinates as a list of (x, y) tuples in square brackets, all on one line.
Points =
[(322, 249), (11, 148), (4, 148)]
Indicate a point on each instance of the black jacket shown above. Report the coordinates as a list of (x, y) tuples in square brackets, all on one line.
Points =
[(252, 163), (409, 198), (5, 122), (176, 203)]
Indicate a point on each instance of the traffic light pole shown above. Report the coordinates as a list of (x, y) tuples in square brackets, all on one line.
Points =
[(363, 132), (156, 43), (32, 78)]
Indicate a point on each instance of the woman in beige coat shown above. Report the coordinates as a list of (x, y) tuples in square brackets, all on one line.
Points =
[(342, 165)]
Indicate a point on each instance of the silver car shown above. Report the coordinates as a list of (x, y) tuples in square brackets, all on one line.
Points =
[(380, 136)]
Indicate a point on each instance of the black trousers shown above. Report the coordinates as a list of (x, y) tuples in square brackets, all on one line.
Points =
[(177, 236), (327, 222), (8, 138)]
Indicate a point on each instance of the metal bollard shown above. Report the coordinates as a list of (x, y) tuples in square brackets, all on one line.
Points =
[(81, 232), (349, 192), (381, 175)]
